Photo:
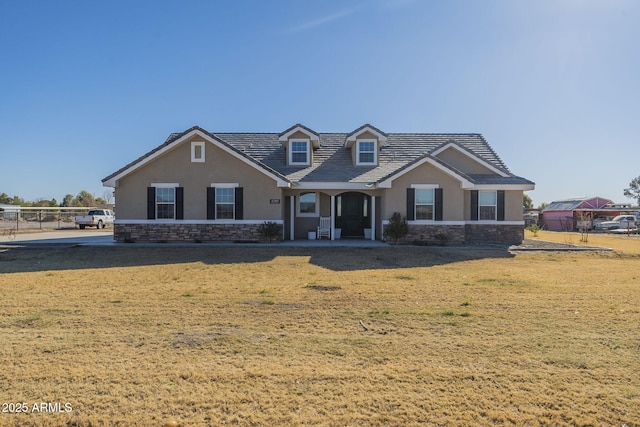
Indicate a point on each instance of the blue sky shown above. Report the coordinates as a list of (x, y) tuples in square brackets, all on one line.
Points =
[(87, 86)]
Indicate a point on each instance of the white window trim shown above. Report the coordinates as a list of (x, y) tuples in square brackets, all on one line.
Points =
[(433, 204), (308, 143), (495, 211), (194, 145), (199, 221), (500, 223), (304, 214), (165, 184), (425, 186), (225, 185), (425, 221), (172, 185), (375, 152)]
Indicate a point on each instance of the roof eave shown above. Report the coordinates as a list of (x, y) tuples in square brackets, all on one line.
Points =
[(456, 146), (112, 180)]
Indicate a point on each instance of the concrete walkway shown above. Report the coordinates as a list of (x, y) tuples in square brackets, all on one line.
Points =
[(105, 238)]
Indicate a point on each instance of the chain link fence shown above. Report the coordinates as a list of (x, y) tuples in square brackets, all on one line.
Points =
[(23, 219)]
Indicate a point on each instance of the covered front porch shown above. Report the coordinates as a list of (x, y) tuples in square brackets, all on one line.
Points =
[(346, 213)]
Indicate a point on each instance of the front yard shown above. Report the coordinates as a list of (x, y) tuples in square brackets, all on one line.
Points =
[(322, 336)]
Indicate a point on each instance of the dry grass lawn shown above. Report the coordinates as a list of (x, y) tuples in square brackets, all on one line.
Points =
[(134, 336), (624, 243)]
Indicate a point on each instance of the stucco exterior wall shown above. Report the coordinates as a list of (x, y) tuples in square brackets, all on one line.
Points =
[(513, 205), (219, 167), (463, 162), (395, 199)]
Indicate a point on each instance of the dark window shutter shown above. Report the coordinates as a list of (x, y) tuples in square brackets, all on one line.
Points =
[(211, 203), (500, 214), (151, 203), (179, 202), (239, 204), (411, 204), (438, 202), (474, 205)]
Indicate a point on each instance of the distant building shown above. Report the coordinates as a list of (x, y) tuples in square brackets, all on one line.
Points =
[(564, 215)]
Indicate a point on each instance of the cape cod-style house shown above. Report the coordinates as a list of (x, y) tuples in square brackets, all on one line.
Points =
[(206, 186)]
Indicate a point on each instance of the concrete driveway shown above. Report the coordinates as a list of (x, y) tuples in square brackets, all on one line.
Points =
[(65, 237)]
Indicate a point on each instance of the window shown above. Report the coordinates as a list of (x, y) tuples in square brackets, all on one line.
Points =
[(299, 153), (366, 153), (197, 152), (424, 204), (165, 203), (225, 202), (487, 205), (308, 204)]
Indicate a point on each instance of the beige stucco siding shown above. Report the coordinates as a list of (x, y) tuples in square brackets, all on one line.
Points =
[(299, 135), (175, 166), (463, 162), (395, 199), (457, 202), (513, 204)]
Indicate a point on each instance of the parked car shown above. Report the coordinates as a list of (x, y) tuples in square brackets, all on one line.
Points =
[(621, 221), (589, 224), (98, 218)]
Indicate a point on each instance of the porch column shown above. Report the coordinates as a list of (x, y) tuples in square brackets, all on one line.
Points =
[(292, 212), (373, 217), (333, 225)]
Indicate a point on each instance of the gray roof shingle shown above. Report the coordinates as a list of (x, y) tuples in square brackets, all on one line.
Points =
[(332, 162)]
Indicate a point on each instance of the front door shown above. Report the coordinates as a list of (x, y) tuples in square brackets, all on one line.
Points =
[(352, 214)]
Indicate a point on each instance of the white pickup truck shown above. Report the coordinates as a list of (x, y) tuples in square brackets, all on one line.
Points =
[(625, 222), (98, 218)]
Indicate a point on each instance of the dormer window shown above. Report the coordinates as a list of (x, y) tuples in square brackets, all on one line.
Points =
[(299, 141), (364, 144), (366, 153), (299, 152)]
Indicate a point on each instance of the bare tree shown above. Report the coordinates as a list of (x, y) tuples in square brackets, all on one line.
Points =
[(584, 225), (107, 196)]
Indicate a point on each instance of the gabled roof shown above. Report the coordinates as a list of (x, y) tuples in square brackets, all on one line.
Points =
[(175, 139), (313, 137), (353, 136), (333, 163), (453, 144), (578, 203)]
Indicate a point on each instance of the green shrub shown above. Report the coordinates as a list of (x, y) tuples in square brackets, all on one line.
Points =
[(269, 230), (534, 229), (397, 228)]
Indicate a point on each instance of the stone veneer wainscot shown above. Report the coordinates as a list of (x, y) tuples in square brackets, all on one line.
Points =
[(185, 232)]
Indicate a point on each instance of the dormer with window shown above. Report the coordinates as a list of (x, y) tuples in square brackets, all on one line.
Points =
[(299, 143), (365, 143)]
